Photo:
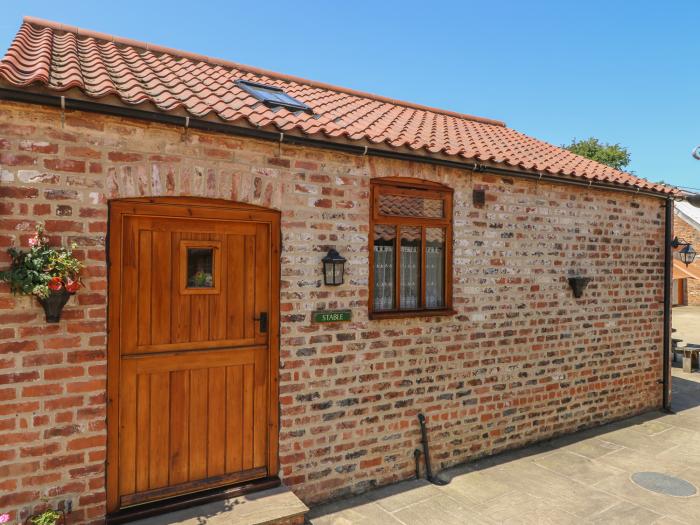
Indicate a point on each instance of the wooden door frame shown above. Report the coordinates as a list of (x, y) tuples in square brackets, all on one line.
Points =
[(206, 209)]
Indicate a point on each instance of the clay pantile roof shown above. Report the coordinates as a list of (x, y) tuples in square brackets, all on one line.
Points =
[(58, 58)]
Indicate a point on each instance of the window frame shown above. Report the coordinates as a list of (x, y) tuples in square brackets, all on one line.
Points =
[(290, 104), (418, 188), (215, 246)]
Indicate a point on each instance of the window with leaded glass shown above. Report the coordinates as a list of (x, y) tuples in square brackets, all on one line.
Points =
[(410, 256)]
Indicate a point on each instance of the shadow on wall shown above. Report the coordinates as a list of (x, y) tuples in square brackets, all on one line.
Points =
[(686, 396)]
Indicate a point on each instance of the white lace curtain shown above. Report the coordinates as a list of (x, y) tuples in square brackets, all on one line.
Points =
[(410, 277), (383, 277), (434, 276)]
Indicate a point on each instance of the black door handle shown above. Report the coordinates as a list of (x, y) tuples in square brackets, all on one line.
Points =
[(263, 322)]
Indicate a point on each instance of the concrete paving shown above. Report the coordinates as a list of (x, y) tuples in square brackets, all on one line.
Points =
[(686, 321), (581, 478)]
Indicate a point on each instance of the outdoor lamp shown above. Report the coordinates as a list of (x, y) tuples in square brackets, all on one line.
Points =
[(687, 253), (333, 268)]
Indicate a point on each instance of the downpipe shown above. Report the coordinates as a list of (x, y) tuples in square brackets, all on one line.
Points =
[(435, 480), (668, 268)]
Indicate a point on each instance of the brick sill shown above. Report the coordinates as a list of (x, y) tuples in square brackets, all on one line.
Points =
[(411, 313)]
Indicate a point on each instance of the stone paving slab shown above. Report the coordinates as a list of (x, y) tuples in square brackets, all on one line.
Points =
[(272, 506), (580, 478), (686, 321)]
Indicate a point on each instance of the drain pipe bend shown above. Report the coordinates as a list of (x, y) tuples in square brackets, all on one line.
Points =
[(426, 454)]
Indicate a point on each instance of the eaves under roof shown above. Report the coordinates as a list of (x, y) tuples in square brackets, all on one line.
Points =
[(59, 58), (688, 213)]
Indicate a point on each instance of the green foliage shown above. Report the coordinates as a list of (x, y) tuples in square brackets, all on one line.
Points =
[(613, 155), (42, 269), (202, 279), (48, 517)]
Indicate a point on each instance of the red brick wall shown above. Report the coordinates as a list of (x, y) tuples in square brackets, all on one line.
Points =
[(521, 361), (689, 233)]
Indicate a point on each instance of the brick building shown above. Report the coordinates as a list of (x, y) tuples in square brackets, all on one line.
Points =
[(686, 280), (203, 195)]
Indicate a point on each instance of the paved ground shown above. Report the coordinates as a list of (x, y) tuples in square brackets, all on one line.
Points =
[(686, 321), (582, 478)]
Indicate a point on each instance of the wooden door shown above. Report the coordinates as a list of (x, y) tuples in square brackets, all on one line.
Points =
[(193, 347), (678, 296)]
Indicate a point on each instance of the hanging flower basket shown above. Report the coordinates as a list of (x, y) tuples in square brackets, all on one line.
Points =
[(53, 305), (50, 273)]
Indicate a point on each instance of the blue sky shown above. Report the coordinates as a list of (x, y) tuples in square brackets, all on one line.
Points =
[(624, 72)]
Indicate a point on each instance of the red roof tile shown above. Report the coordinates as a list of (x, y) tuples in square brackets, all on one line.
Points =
[(60, 57)]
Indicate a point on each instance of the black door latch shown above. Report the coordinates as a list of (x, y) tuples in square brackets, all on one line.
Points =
[(263, 322)]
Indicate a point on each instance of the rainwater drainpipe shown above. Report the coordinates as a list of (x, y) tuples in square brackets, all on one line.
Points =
[(668, 268)]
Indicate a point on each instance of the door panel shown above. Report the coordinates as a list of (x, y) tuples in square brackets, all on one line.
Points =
[(166, 316), (195, 381), (172, 402)]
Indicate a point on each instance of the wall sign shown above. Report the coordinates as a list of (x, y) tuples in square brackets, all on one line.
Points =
[(331, 316)]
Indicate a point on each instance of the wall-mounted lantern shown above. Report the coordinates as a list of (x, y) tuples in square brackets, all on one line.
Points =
[(687, 253), (333, 268)]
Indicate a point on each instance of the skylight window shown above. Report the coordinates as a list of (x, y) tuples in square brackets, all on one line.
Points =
[(272, 96)]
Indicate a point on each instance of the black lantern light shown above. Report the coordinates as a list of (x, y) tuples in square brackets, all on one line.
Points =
[(333, 268), (687, 253)]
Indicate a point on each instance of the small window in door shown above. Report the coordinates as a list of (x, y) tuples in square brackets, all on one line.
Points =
[(199, 267)]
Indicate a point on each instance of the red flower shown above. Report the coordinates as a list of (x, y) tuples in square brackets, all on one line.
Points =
[(72, 286), (55, 284)]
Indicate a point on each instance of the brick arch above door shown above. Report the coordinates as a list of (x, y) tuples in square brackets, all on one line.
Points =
[(168, 177)]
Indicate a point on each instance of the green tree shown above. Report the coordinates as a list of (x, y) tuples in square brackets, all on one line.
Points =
[(613, 155)]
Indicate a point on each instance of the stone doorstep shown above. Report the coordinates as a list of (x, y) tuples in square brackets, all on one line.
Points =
[(276, 506)]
